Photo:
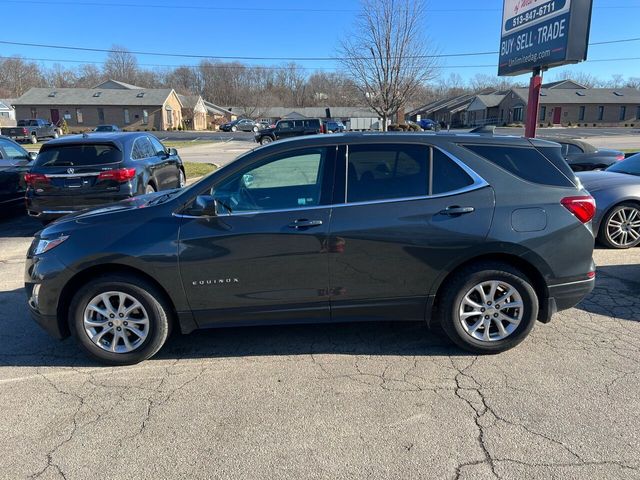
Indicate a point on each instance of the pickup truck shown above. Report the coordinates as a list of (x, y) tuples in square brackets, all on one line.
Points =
[(31, 130)]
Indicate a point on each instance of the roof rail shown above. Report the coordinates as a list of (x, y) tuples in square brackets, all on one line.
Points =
[(485, 129)]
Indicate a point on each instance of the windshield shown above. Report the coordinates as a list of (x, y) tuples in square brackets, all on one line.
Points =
[(104, 128), (78, 155), (630, 165)]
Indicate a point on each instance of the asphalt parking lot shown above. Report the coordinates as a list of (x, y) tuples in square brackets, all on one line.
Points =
[(338, 401)]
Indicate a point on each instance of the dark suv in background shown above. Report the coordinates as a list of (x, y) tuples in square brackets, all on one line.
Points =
[(289, 129), (81, 171), (483, 235)]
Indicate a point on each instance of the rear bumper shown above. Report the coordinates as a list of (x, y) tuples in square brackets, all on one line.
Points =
[(50, 208), (564, 296)]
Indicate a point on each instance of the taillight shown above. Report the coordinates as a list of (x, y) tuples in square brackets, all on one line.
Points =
[(33, 178), (619, 157), (25, 131), (119, 175), (321, 128), (583, 207)]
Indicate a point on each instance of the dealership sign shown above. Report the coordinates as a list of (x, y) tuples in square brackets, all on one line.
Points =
[(543, 34)]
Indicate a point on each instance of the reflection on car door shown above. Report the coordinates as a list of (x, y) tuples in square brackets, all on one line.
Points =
[(167, 164), (394, 235), (266, 260)]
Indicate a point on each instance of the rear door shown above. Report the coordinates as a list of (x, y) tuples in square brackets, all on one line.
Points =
[(13, 165), (168, 163), (409, 211)]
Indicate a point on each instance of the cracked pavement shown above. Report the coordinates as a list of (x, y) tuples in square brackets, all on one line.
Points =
[(328, 401)]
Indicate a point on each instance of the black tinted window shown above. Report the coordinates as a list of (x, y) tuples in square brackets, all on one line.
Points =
[(554, 155), (447, 175), (285, 125), (75, 155), (524, 162), (378, 172), (9, 150)]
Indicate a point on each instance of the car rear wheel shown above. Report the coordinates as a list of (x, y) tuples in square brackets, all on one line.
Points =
[(181, 179), (265, 140), (33, 139), (119, 320), (488, 307), (234, 129), (621, 227), (55, 134), (255, 129), (149, 189)]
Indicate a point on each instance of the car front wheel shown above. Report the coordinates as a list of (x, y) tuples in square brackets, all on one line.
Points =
[(181, 179), (621, 227), (488, 307), (265, 140), (234, 129), (119, 320), (149, 189)]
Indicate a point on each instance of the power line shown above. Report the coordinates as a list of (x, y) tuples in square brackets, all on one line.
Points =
[(263, 10), (261, 67), (183, 55)]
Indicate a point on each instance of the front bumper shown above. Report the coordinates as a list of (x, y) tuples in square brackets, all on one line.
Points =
[(44, 280)]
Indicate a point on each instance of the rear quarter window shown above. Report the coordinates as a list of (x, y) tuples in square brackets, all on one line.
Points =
[(526, 163)]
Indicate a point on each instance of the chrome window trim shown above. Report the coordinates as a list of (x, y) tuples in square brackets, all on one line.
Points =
[(478, 183)]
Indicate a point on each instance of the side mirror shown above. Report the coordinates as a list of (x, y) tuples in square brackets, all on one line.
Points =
[(32, 156), (204, 205), (173, 152)]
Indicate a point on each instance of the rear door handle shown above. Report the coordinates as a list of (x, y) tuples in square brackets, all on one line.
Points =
[(304, 223), (455, 210)]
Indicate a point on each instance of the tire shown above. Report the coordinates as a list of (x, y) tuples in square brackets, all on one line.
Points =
[(463, 284), (265, 140), (234, 129), (152, 307), (255, 129), (149, 189), (621, 236), (55, 135), (33, 139), (182, 180)]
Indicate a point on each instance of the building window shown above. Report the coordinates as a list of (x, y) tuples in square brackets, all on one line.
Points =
[(638, 113), (34, 113), (126, 116), (101, 115), (169, 117), (517, 114), (623, 112), (543, 113), (581, 113), (145, 117), (79, 115), (600, 112)]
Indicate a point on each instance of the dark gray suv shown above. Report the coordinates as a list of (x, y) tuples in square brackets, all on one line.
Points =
[(483, 235)]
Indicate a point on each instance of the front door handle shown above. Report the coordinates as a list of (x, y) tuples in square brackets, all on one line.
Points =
[(304, 223), (456, 210)]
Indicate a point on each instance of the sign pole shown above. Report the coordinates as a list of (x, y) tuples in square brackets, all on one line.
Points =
[(532, 106)]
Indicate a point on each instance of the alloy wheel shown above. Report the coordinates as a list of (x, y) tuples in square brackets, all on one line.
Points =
[(623, 227), (491, 311), (116, 322)]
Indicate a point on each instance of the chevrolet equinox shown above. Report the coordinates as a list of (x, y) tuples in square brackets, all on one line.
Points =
[(481, 234)]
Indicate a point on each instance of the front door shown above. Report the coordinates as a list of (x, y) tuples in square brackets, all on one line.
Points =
[(557, 115), (399, 229), (55, 116), (264, 257)]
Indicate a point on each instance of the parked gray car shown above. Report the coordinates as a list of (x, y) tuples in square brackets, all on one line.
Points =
[(617, 194), (582, 156)]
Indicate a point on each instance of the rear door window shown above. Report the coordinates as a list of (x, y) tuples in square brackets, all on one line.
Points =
[(142, 149), (526, 163), (387, 171), (78, 155)]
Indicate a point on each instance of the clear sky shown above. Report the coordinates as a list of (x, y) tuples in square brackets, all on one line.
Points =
[(282, 28)]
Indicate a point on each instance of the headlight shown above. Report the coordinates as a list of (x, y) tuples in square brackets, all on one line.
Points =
[(45, 245)]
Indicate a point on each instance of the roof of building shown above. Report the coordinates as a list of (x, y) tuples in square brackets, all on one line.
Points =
[(564, 84), (216, 109), (93, 96), (310, 112), (117, 85), (189, 101), (581, 96), (480, 102), (6, 103)]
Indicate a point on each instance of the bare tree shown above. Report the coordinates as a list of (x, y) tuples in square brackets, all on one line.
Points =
[(121, 65), (17, 76), (387, 55)]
